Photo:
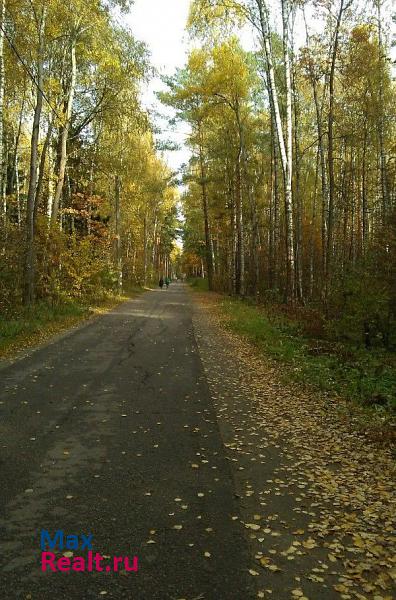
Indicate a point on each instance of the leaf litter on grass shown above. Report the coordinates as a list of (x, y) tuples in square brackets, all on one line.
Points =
[(334, 536)]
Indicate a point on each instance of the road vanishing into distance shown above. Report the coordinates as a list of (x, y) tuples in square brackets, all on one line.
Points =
[(109, 435)]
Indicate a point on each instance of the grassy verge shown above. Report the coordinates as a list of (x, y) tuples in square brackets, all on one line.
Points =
[(198, 284), (368, 377), (27, 327)]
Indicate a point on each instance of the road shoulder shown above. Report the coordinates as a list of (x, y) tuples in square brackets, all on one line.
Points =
[(316, 497), (24, 346)]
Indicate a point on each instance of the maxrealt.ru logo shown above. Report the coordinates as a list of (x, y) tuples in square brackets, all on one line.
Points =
[(70, 543)]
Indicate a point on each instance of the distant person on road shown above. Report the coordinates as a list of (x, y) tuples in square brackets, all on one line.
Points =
[(161, 283), (167, 282)]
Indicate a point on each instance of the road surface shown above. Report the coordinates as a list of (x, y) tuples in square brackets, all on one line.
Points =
[(110, 431)]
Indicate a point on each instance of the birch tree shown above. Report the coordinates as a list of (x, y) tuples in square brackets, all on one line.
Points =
[(2, 83), (40, 16)]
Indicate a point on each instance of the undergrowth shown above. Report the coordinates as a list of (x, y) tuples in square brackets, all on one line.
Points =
[(367, 376), (22, 327)]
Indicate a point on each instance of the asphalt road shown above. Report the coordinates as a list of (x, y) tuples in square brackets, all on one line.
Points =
[(110, 431)]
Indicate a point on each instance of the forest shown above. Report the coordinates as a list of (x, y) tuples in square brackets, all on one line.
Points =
[(87, 200), (289, 197), (198, 299), (290, 191), (287, 201)]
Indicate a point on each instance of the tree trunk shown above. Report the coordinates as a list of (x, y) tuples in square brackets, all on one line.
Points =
[(321, 149), (2, 85), (365, 221), (254, 244), (285, 148), (266, 38), (234, 248), (240, 257), (145, 249), (275, 180), (208, 237), (381, 128), (330, 151), (117, 214), (240, 283), (51, 186), (154, 250), (14, 172), (29, 270), (290, 267), (312, 232), (65, 133), (299, 208), (44, 152)]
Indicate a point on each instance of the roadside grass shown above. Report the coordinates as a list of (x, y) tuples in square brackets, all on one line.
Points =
[(368, 377), (198, 284), (24, 327)]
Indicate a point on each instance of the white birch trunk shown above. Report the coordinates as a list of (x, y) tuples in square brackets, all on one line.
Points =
[(289, 155), (65, 134), (29, 271), (285, 147), (2, 83)]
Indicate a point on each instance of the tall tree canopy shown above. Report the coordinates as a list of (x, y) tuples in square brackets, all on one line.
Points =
[(86, 200), (291, 185)]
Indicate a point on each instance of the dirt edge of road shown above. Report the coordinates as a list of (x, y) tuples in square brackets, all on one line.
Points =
[(56, 330), (317, 496)]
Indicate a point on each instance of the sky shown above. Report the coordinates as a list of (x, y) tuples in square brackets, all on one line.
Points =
[(161, 25)]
